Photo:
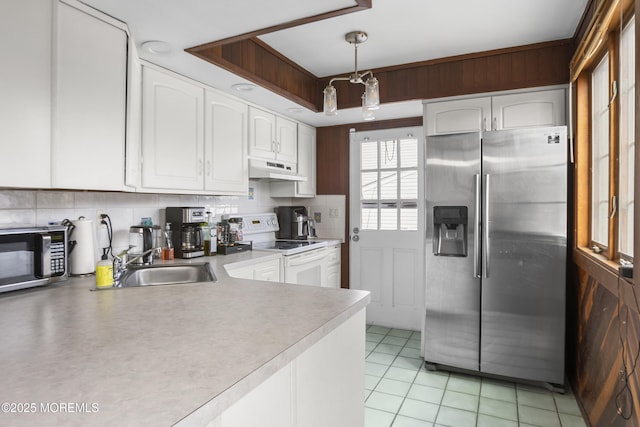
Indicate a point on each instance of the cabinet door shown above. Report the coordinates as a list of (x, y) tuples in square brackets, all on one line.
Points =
[(287, 140), (529, 109), (262, 134), (306, 161), (306, 167), (25, 85), (90, 72), (269, 271), (267, 405), (172, 132), (458, 116), (226, 167), (333, 272), (329, 378)]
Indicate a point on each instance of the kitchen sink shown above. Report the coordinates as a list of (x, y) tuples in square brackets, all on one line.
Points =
[(166, 274)]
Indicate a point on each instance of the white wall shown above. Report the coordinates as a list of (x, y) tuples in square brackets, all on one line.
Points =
[(25, 208)]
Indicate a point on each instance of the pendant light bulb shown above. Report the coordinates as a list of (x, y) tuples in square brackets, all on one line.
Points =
[(371, 94), (367, 113), (330, 101)]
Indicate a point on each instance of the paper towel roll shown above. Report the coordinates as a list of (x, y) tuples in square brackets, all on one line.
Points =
[(82, 259)]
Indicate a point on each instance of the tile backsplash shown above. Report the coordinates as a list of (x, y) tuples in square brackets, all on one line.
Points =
[(25, 208)]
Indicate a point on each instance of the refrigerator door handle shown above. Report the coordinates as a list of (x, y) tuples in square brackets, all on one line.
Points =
[(485, 229), (477, 253)]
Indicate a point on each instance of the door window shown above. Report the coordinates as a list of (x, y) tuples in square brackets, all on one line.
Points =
[(389, 184)]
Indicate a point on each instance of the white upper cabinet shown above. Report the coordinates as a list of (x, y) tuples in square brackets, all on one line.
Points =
[(272, 137), (172, 132), (25, 85), (306, 161), (89, 108), (193, 138), (262, 134), (306, 167), (458, 116), (510, 111), (226, 128), (287, 140), (529, 109)]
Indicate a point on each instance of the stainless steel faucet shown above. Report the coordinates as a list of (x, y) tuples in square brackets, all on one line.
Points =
[(122, 261)]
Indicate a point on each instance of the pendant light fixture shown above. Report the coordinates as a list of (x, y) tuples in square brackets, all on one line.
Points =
[(371, 96)]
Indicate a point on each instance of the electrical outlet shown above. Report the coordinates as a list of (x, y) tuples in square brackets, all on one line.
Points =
[(99, 213), (102, 233), (334, 212)]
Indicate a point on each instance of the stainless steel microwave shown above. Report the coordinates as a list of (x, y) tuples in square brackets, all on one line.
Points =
[(32, 257)]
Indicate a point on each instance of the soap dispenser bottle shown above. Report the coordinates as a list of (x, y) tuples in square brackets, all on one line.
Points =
[(104, 271)]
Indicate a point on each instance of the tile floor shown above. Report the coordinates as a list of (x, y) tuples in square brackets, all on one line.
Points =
[(400, 392)]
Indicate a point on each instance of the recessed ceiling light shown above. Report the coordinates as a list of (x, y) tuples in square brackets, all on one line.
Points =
[(243, 87), (295, 110), (156, 47)]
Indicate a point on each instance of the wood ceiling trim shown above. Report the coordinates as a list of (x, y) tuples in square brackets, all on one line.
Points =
[(359, 5), (256, 61), (540, 64)]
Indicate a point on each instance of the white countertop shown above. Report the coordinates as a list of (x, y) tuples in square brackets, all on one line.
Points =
[(155, 355)]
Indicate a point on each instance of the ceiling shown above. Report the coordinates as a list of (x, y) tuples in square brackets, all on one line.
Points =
[(400, 32)]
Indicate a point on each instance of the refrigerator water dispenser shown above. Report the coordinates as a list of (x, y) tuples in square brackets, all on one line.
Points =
[(450, 231)]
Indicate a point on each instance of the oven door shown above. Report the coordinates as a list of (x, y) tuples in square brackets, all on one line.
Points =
[(307, 268)]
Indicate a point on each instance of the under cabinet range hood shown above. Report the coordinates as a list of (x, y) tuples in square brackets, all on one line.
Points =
[(273, 170)]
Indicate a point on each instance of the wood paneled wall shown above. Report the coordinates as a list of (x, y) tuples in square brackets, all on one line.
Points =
[(505, 69), (596, 367)]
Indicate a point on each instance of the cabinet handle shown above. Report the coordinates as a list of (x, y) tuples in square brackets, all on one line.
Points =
[(200, 167), (208, 167), (495, 123)]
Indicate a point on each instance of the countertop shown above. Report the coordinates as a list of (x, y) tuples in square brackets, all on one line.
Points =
[(156, 355)]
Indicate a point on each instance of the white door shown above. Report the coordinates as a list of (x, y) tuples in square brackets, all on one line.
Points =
[(387, 224)]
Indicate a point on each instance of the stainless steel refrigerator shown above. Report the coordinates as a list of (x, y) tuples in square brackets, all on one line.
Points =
[(496, 252)]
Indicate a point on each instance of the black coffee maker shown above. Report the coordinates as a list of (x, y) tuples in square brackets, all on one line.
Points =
[(293, 221)]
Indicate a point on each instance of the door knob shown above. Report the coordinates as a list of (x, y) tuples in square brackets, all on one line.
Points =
[(355, 238), (356, 230)]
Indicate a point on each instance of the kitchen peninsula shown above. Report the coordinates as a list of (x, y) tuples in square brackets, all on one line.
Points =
[(188, 354)]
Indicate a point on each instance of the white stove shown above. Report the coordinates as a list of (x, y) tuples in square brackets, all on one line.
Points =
[(261, 228), (305, 262)]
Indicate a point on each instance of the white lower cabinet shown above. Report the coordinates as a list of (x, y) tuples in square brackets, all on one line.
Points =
[(333, 267), (267, 405), (265, 270), (324, 386)]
